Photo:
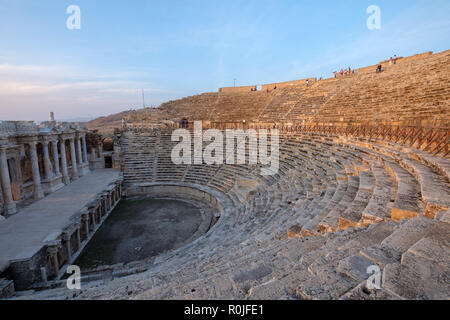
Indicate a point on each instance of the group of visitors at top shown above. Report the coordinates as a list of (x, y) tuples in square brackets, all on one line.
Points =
[(344, 72), (347, 72), (391, 62)]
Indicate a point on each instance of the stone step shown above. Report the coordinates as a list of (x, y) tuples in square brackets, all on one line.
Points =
[(416, 278), (392, 248)]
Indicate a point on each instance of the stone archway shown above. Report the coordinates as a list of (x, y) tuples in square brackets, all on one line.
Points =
[(184, 123), (108, 144)]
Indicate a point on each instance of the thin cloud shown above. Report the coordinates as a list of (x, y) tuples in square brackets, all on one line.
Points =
[(27, 90)]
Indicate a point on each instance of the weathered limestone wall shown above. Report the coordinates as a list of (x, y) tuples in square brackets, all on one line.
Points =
[(238, 89), (36, 160), (285, 84), (99, 148), (269, 86), (175, 190)]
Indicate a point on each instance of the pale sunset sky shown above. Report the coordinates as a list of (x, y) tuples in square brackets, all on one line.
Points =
[(173, 49)]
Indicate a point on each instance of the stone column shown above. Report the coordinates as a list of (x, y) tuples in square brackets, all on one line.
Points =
[(53, 252), (38, 192), (83, 142), (94, 219), (74, 159), (66, 238), (56, 157), (65, 172), (85, 225), (8, 202), (44, 277), (98, 215), (105, 203), (110, 200), (78, 236), (79, 154), (47, 163)]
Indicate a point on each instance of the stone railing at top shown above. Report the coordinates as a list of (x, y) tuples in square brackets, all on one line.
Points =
[(435, 141), (14, 127), (17, 128)]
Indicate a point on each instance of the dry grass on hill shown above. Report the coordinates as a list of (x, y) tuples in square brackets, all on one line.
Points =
[(106, 125)]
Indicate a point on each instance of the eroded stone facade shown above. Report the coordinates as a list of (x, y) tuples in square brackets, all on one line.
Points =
[(36, 160)]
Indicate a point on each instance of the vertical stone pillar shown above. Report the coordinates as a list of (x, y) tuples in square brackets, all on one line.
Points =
[(38, 192), (104, 204), (47, 163), (66, 238), (110, 199), (94, 219), (44, 277), (74, 159), (78, 236), (85, 225), (65, 172), (79, 154), (53, 252), (98, 214), (99, 150), (85, 156), (56, 157), (8, 202)]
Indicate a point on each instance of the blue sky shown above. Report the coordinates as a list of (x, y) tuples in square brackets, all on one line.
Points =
[(174, 49)]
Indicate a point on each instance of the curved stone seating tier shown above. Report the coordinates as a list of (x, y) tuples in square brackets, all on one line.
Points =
[(344, 198), (337, 206)]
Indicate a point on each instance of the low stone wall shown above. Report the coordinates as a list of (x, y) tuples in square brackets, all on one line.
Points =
[(284, 84), (177, 191), (238, 89)]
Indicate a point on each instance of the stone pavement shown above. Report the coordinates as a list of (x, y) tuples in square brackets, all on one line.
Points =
[(25, 232)]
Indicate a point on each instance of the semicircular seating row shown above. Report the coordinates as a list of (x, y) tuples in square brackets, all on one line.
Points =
[(335, 208)]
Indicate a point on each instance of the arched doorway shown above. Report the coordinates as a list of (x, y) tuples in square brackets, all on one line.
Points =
[(108, 144), (184, 123)]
